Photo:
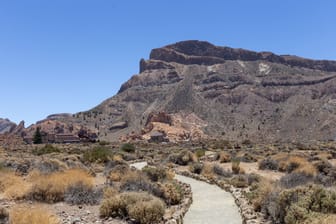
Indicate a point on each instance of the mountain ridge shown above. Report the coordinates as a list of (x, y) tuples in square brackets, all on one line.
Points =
[(208, 91)]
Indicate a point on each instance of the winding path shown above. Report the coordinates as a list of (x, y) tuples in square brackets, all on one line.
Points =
[(211, 204)]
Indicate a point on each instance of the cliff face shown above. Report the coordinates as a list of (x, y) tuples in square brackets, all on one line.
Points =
[(6, 126), (210, 91)]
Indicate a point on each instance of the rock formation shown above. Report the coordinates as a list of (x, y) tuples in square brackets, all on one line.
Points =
[(208, 91)]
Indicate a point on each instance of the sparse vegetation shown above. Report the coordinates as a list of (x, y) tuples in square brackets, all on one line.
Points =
[(128, 147), (99, 154), (28, 215), (53, 187), (142, 207), (46, 149)]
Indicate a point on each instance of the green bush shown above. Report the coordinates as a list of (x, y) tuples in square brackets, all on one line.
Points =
[(99, 154), (155, 173), (199, 153), (295, 205), (128, 147), (48, 148)]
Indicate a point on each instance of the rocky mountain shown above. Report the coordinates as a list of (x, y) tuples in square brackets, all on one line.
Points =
[(6, 126), (193, 89)]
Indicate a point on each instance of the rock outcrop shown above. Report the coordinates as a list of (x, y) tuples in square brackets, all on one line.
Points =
[(227, 93), (6, 126)]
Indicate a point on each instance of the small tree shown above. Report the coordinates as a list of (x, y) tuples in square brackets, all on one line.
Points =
[(37, 139)]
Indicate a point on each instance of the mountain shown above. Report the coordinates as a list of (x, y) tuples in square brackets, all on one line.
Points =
[(6, 126), (193, 89)]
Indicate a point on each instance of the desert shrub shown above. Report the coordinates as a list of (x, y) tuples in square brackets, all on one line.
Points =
[(117, 172), (28, 215), (323, 166), (297, 204), (200, 152), (268, 164), (252, 178), (99, 154), (46, 149), (235, 166), (50, 166), (239, 181), (196, 167), (128, 147), (13, 186), (259, 193), (52, 187), (80, 193), (217, 169), (142, 207), (147, 212), (103, 143), (295, 179), (207, 170), (3, 215), (137, 181), (183, 158), (172, 193), (297, 164), (223, 157), (155, 173), (324, 180), (128, 156)]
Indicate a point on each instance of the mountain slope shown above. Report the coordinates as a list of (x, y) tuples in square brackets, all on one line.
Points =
[(195, 89), (6, 126)]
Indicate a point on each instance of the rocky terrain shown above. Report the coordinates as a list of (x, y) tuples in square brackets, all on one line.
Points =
[(193, 90), (203, 90), (6, 126)]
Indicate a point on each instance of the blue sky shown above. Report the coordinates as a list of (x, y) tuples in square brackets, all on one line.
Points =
[(70, 55)]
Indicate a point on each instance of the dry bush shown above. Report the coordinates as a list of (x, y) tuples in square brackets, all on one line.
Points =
[(28, 215), (142, 207), (224, 157), (138, 181), (260, 192), (81, 193), (297, 164), (183, 158), (320, 218), (239, 181), (109, 192), (220, 171), (268, 164), (13, 186), (172, 193), (196, 168), (147, 212), (117, 172), (3, 215), (298, 204), (155, 173), (208, 170), (52, 187), (295, 179), (51, 165), (235, 166)]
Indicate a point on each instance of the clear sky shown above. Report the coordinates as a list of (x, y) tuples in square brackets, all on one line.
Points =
[(70, 55)]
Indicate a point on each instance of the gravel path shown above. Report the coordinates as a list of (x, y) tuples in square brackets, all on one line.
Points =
[(211, 204)]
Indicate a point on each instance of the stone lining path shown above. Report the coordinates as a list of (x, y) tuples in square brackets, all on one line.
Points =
[(211, 204)]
